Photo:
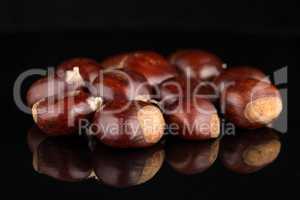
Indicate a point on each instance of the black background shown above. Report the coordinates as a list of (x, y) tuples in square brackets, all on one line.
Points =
[(41, 34)]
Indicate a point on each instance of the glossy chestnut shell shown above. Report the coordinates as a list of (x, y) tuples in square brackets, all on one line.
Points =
[(61, 116), (197, 64), (150, 64), (128, 124), (251, 103), (124, 84), (193, 119)]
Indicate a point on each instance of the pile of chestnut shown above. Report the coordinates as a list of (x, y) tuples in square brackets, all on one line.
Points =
[(130, 99)]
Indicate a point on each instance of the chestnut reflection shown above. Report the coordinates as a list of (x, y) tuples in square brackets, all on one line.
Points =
[(191, 157), (62, 158), (250, 151), (34, 137), (68, 158), (125, 168)]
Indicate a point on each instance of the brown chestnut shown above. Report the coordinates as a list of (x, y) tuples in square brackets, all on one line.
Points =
[(190, 157), (46, 87), (60, 116), (251, 103), (153, 66), (63, 158), (206, 90), (121, 85), (87, 68), (53, 85), (195, 119), (233, 74), (115, 62), (128, 124), (180, 87), (172, 89), (197, 64), (126, 168), (250, 151)]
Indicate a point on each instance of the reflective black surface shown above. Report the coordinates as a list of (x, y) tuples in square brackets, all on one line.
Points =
[(77, 158)]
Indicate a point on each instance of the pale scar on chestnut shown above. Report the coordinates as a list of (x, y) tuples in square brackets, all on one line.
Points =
[(214, 126), (263, 110), (152, 123)]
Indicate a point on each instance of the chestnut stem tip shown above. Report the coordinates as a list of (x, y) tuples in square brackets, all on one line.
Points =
[(74, 77)]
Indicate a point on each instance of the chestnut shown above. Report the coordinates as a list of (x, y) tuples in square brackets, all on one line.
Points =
[(250, 151), (206, 90), (172, 89), (180, 87), (197, 64), (192, 157), (195, 119), (63, 158), (123, 84), (153, 66), (126, 168), (128, 124), (237, 73), (115, 62), (54, 85), (88, 68), (251, 103), (60, 116)]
